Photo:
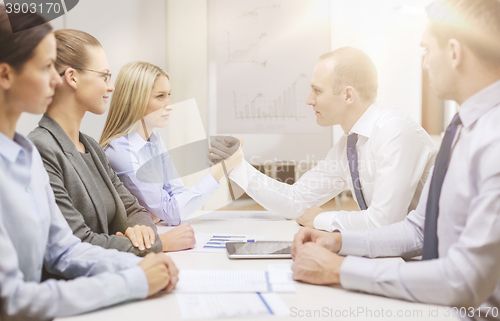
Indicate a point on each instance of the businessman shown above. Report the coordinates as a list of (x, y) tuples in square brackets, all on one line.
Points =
[(384, 157), (456, 226)]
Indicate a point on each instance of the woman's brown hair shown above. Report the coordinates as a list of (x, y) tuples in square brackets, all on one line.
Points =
[(16, 48), (72, 48)]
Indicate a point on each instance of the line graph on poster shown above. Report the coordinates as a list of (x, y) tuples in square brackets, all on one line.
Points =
[(248, 17), (261, 57), (249, 54), (290, 104)]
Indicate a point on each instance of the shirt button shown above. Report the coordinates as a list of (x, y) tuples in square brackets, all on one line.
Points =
[(28, 189)]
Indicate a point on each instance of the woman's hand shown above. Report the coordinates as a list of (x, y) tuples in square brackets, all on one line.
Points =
[(235, 159), (179, 238), (141, 236)]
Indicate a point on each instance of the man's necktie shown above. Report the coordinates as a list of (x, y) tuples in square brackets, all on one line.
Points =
[(430, 250), (352, 157)]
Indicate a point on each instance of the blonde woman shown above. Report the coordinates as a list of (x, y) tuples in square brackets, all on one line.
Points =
[(140, 104), (99, 209)]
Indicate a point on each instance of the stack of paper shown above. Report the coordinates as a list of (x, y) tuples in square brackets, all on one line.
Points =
[(222, 305), (233, 293), (213, 281)]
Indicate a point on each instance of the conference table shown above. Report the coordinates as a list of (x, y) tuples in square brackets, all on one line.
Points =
[(311, 302)]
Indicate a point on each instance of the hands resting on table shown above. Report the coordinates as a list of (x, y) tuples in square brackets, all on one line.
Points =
[(314, 252), (161, 272), (177, 239), (315, 258)]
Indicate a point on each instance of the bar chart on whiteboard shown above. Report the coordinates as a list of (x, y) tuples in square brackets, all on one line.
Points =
[(261, 57)]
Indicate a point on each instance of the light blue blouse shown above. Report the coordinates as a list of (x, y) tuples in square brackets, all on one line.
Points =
[(33, 231), (147, 170)]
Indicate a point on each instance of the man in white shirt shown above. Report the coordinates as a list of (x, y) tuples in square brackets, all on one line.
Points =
[(456, 226), (384, 157)]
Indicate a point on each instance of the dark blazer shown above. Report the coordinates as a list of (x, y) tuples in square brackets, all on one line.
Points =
[(77, 193)]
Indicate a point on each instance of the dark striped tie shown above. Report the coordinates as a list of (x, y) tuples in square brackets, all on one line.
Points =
[(430, 250), (352, 157)]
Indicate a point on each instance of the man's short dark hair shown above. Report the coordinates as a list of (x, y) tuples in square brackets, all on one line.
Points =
[(475, 23), (352, 67)]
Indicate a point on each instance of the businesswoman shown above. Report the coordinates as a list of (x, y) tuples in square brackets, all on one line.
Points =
[(97, 206), (137, 152), (33, 231)]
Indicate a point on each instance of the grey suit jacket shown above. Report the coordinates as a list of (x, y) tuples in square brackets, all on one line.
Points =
[(77, 193)]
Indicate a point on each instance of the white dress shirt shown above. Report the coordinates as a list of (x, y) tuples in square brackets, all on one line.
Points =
[(395, 156), (147, 170), (34, 232), (467, 272)]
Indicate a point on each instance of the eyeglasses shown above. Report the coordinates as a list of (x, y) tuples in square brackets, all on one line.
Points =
[(106, 75)]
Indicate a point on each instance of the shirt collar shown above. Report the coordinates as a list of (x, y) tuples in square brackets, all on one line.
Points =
[(12, 148), (479, 104), (364, 125), (137, 142)]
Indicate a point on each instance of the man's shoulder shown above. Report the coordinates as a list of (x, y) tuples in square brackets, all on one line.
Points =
[(395, 116), (397, 124), (393, 120), (490, 121)]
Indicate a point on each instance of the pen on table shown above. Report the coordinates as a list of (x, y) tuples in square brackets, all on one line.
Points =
[(224, 236)]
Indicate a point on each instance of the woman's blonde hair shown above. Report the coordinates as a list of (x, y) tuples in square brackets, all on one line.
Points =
[(133, 88)]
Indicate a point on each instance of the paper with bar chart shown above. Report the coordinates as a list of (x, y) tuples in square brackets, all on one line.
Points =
[(261, 58), (216, 242)]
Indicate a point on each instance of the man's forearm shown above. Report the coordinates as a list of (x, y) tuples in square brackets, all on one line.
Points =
[(403, 239)]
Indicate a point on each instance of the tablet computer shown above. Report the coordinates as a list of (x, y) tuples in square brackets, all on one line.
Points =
[(259, 250)]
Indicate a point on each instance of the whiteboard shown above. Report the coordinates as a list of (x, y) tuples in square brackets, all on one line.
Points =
[(261, 57)]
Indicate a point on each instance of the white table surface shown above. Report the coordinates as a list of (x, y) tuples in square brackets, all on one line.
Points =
[(333, 299)]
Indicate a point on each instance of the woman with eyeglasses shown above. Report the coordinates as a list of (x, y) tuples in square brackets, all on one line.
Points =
[(33, 232), (136, 151), (97, 206)]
